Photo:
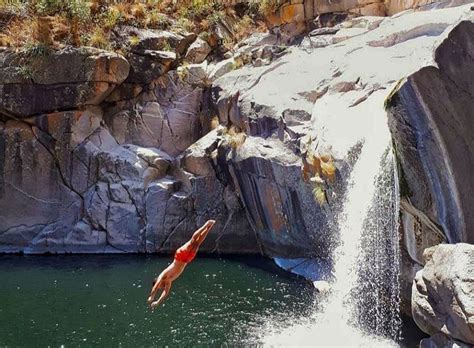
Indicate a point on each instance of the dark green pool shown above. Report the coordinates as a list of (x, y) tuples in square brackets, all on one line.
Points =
[(100, 300)]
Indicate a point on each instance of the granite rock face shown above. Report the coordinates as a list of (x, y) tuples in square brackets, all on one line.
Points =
[(280, 205), (262, 141), (105, 176), (431, 129), (443, 293), (167, 117), (70, 78), (442, 341)]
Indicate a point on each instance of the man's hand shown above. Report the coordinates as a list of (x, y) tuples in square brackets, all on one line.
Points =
[(153, 305), (210, 223)]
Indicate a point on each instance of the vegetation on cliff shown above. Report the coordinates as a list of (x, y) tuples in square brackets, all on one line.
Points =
[(58, 23)]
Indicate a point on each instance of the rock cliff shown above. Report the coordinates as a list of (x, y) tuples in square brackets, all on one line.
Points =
[(434, 146), (102, 152)]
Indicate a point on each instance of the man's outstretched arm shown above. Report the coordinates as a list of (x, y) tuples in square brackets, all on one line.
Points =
[(154, 290), (201, 233)]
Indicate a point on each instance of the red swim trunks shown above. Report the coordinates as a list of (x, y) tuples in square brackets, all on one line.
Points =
[(185, 254)]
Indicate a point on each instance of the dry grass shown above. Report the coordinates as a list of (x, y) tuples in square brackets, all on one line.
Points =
[(234, 137), (19, 31), (81, 22), (320, 170), (214, 122), (158, 20), (266, 7), (319, 194), (328, 168), (99, 39)]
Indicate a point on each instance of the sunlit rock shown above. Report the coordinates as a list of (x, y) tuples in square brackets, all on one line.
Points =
[(57, 80), (442, 297), (198, 51)]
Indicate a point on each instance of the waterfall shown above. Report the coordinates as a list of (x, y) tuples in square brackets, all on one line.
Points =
[(363, 306), (378, 263)]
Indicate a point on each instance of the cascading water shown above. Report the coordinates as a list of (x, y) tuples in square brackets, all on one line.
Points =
[(378, 263), (362, 308)]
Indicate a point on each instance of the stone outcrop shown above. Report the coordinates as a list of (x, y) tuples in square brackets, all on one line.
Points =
[(198, 51), (104, 177), (431, 129), (442, 341), (442, 297), (267, 177), (298, 16), (167, 116), (70, 78), (300, 12)]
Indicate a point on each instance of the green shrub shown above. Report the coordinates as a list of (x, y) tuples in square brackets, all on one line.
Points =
[(319, 194), (265, 7), (158, 20), (166, 46), (14, 6), (99, 39), (25, 71), (35, 49), (76, 9), (133, 40), (111, 18), (184, 24), (48, 7)]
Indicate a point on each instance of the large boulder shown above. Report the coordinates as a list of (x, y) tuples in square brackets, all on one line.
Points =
[(147, 65), (57, 80), (443, 292), (167, 118), (197, 52), (442, 341), (279, 203), (431, 125)]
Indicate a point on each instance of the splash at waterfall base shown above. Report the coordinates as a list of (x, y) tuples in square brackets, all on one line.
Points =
[(362, 308)]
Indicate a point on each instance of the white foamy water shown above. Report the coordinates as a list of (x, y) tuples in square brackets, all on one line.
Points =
[(337, 322)]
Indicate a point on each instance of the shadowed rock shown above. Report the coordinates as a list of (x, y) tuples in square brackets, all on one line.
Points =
[(61, 80), (431, 126)]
